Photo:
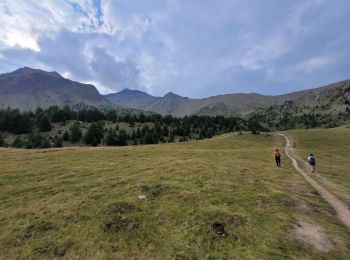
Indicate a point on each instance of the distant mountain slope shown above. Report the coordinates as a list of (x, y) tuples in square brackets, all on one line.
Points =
[(327, 106), (169, 104), (235, 104), (28, 89), (231, 104), (329, 97), (131, 98), (174, 105)]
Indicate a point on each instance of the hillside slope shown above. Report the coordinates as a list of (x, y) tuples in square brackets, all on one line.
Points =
[(327, 106), (28, 89)]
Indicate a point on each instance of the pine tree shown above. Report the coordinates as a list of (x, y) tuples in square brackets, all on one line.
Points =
[(133, 135), (172, 137), (165, 130), (99, 131), (44, 123), (19, 124), (138, 133), (65, 136), (155, 135), (111, 115), (122, 138), (75, 133), (110, 138), (202, 133), (58, 141), (2, 141), (94, 134), (90, 134), (148, 138)]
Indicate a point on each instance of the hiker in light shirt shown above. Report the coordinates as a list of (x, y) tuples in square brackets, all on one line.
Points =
[(312, 162)]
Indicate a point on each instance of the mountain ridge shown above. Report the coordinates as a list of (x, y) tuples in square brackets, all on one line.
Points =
[(241, 104), (27, 89)]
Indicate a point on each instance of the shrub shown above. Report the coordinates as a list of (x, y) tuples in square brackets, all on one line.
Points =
[(18, 142), (45, 143), (34, 141)]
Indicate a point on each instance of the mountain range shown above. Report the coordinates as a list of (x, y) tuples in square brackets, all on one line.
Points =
[(328, 98), (28, 88)]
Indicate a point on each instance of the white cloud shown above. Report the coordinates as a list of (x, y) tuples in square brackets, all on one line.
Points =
[(122, 25), (25, 22), (147, 69), (66, 74), (271, 48), (310, 65), (21, 40), (295, 23)]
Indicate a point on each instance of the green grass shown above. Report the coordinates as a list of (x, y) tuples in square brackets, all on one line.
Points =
[(84, 202), (332, 150)]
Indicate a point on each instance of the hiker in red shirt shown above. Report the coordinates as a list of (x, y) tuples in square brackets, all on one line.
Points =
[(278, 158)]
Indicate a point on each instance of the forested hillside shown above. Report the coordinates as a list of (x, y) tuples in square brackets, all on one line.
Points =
[(57, 127)]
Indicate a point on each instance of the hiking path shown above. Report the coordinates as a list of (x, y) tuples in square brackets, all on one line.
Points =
[(339, 206)]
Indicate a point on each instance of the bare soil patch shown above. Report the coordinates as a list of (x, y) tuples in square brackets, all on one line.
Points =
[(312, 235)]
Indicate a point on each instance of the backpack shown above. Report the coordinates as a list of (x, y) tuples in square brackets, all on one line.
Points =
[(312, 159)]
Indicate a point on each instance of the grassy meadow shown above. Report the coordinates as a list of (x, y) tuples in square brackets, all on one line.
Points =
[(216, 198), (332, 150)]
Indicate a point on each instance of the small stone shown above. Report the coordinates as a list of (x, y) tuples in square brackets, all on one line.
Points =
[(142, 197)]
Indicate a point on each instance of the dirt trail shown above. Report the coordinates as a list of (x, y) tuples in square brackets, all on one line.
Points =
[(341, 208)]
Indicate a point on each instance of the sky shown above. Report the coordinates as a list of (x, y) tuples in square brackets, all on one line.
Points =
[(195, 48)]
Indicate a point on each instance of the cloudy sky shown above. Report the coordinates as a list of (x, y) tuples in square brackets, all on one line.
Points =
[(195, 48)]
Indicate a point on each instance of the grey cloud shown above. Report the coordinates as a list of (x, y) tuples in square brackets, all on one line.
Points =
[(115, 74), (65, 53)]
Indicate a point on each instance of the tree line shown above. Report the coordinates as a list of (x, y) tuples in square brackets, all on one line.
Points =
[(33, 129)]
